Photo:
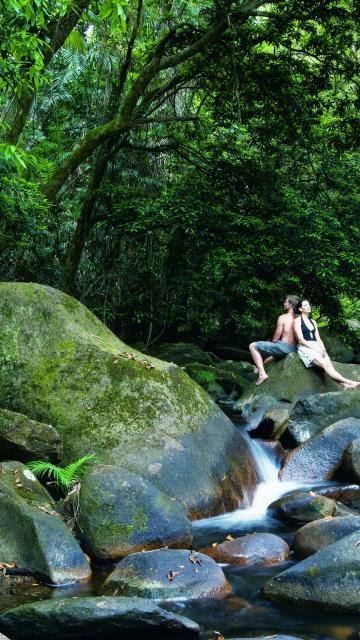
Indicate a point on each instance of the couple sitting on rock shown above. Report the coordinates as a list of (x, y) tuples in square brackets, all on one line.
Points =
[(296, 332)]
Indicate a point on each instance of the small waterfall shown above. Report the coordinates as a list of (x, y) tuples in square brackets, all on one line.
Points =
[(269, 489)]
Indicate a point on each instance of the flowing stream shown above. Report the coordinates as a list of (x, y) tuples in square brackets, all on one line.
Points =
[(244, 613)]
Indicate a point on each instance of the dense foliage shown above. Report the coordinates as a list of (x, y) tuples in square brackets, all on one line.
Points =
[(181, 166)]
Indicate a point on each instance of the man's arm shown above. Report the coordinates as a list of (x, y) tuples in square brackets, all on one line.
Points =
[(279, 329)]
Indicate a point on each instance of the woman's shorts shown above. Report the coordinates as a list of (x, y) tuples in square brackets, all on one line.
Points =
[(307, 355)]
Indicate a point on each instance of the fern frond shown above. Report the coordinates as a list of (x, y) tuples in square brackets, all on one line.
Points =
[(65, 477)]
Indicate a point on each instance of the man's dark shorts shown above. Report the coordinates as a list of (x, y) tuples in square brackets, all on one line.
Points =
[(276, 349)]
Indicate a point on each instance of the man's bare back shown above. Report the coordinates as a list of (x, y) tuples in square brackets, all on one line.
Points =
[(282, 343), (286, 323)]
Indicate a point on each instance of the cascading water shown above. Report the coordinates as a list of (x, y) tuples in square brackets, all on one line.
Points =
[(269, 489)]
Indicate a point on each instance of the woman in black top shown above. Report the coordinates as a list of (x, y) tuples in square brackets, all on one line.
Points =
[(311, 348)]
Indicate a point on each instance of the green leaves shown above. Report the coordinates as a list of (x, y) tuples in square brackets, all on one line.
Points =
[(64, 477)]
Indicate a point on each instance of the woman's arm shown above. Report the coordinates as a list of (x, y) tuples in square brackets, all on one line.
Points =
[(318, 340)]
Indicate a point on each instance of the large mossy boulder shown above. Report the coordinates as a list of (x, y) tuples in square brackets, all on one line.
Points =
[(121, 513), (32, 534), (330, 578), (101, 617), (24, 439), (168, 574), (60, 365), (320, 458), (311, 415)]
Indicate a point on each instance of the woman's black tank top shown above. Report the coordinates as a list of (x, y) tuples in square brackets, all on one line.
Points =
[(309, 334)]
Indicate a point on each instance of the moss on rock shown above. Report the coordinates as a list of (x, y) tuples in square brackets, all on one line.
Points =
[(59, 364)]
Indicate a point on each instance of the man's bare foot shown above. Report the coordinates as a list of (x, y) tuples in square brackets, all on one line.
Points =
[(262, 377)]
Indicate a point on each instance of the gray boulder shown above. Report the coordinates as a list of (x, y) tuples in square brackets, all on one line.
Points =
[(32, 534), (311, 415), (253, 549), (306, 507), (59, 364), (168, 574), (121, 513), (85, 617), (352, 460), (330, 578), (24, 439), (320, 457), (320, 533)]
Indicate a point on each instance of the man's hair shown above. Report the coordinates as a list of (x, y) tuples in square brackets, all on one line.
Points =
[(294, 301)]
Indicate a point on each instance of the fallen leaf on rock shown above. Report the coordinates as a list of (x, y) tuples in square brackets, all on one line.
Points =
[(194, 559), (230, 538), (172, 574)]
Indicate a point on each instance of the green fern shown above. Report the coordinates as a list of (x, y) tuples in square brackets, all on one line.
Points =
[(203, 377), (64, 477)]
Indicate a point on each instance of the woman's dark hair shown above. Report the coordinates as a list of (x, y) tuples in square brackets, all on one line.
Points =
[(299, 305)]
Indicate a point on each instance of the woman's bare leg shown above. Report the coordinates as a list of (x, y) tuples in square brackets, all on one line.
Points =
[(327, 365)]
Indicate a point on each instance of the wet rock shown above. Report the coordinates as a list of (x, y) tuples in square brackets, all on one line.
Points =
[(352, 460), (252, 410), (312, 415), (60, 365), (24, 439), (77, 618), (320, 533), (121, 513), (276, 451), (320, 457), (168, 574), (32, 535), (306, 507), (329, 578), (253, 549), (349, 495)]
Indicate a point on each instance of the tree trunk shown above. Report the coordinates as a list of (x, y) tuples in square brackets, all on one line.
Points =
[(17, 109), (84, 224)]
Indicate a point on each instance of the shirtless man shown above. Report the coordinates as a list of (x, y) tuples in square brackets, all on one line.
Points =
[(283, 341)]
